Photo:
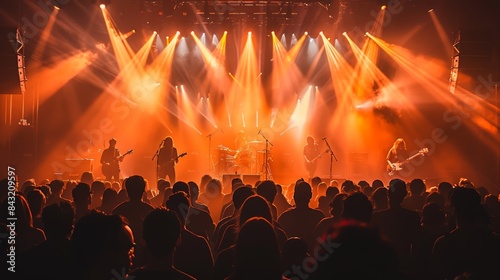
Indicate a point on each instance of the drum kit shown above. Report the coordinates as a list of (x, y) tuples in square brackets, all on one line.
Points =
[(250, 159)]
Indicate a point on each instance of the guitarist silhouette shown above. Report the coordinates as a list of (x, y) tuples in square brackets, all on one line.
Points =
[(110, 160), (397, 154), (167, 158), (311, 154)]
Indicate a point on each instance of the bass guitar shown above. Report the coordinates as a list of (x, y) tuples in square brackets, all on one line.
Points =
[(397, 166), (172, 160), (108, 167), (309, 164)]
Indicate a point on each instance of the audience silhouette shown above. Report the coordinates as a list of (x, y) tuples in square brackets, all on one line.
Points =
[(27, 235), (192, 255), (239, 196), (300, 220), (101, 247), (449, 231), (135, 210), (161, 233), (280, 201), (197, 221), (34, 263), (36, 200), (257, 255), (109, 201), (352, 251), (81, 199), (57, 188), (399, 225), (471, 247)]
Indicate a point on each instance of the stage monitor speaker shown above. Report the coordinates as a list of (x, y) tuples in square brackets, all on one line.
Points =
[(251, 179), (226, 182), (78, 166)]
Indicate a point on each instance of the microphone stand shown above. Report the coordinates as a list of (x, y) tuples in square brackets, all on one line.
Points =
[(156, 155), (266, 163), (332, 156), (209, 136)]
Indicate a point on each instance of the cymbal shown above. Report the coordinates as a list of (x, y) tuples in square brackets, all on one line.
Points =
[(255, 142)]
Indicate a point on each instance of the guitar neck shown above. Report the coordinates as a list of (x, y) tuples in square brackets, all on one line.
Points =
[(412, 157)]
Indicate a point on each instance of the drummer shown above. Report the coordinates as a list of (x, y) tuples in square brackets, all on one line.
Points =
[(243, 152), (241, 141)]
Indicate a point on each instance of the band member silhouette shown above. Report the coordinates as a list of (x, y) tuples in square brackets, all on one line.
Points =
[(243, 155), (110, 160), (397, 153), (167, 158), (311, 154)]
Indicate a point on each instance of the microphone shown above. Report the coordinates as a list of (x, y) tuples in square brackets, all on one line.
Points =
[(260, 130), (324, 138)]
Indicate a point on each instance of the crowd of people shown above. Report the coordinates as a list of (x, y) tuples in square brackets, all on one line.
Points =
[(131, 229)]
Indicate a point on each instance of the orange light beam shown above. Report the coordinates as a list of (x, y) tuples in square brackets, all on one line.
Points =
[(53, 78), (286, 76), (44, 38), (445, 40)]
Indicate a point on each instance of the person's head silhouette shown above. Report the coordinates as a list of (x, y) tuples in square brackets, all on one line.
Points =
[(302, 194), (255, 206), (161, 232), (257, 251), (397, 191), (101, 244), (357, 207), (135, 186), (179, 204), (267, 189), (58, 220)]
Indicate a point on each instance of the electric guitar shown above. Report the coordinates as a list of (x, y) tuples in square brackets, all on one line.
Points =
[(172, 160), (309, 164), (397, 166), (109, 167)]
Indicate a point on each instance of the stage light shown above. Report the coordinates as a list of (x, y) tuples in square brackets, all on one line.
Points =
[(249, 33), (344, 33), (383, 7), (306, 33), (192, 32), (321, 33), (57, 7), (128, 34), (225, 32), (154, 32), (430, 11), (102, 6)]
